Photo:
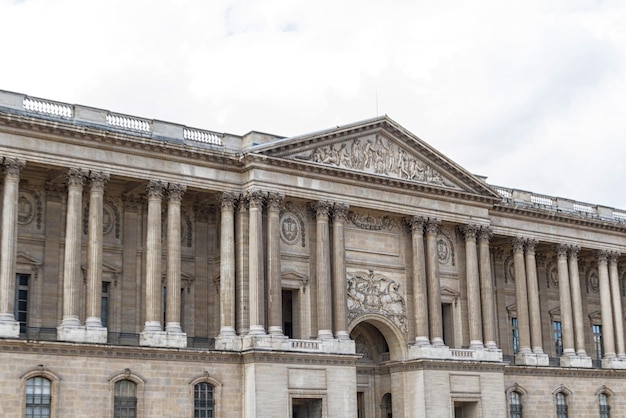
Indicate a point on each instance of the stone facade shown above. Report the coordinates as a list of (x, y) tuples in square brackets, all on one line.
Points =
[(353, 272)]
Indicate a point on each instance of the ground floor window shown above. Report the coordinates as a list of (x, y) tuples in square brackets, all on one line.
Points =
[(38, 399), (605, 409), (306, 408), (125, 401), (561, 405), (515, 405), (203, 403)]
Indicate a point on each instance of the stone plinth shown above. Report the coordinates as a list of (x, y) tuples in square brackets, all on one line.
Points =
[(163, 339), (614, 363), (577, 361), (9, 329), (532, 359), (444, 352), (81, 334)]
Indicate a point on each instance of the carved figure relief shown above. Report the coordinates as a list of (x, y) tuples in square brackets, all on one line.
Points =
[(593, 280), (292, 229), (552, 275), (509, 270), (445, 248), (377, 155), (370, 292)]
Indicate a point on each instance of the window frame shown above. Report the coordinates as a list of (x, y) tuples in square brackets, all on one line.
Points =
[(45, 373), (127, 374), (217, 393)]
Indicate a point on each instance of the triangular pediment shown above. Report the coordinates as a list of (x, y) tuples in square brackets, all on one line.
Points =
[(378, 147)]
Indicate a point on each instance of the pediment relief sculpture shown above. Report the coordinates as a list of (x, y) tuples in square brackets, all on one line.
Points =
[(378, 155), (370, 292)]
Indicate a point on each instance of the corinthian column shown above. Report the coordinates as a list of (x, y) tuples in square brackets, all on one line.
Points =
[(94, 250), (521, 296), (565, 301), (242, 270), (71, 268), (340, 318), (227, 265), (577, 304), (275, 302), (618, 315), (420, 295), (172, 314), (324, 292), (257, 287), (473, 287), (608, 338), (486, 288), (9, 327), (534, 313), (153, 258), (434, 287)]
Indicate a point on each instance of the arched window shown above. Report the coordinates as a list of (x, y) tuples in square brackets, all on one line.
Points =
[(386, 406), (603, 403), (561, 405), (38, 399), (125, 399), (515, 404), (203, 404)]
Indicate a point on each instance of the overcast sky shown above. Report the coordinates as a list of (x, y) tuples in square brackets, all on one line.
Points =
[(529, 93)]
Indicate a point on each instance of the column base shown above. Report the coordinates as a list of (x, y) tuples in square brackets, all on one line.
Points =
[(276, 331), (9, 329), (257, 330), (614, 363), (576, 361), (163, 339), (324, 334), (82, 334), (342, 335), (532, 359), (227, 342)]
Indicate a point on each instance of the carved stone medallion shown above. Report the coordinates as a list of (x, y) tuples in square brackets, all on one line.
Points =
[(289, 228)]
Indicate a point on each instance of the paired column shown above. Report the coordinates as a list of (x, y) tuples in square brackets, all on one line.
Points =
[(155, 190), (227, 265), (340, 309), (618, 316), (434, 289), (565, 301), (172, 314), (486, 288), (255, 264), (474, 309), (324, 291), (420, 293), (534, 312), (521, 296), (608, 337), (242, 268), (94, 252), (274, 282), (9, 327), (71, 268), (577, 304)]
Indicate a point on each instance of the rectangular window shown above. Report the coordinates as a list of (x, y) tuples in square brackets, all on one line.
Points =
[(104, 307), (21, 301), (558, 338), (515, 331), (597, 341)]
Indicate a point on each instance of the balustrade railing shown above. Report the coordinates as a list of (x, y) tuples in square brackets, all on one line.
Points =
[(47, 107), (128, 122)]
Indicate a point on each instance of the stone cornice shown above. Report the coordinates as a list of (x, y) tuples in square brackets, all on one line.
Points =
[(309, 359), (118, 352), (464, 366), (561, 217), (280, 165), (564, 372)]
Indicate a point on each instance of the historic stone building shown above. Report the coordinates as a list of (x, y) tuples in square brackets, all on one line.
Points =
[(149, 269)]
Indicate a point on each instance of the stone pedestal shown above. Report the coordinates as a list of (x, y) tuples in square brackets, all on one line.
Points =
[(163, 339), (82, 334), (614, 363), (9, 328), (577, 361), (532, 359)]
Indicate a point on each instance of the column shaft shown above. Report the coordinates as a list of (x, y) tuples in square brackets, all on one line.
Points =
[(577, 304), (153, 258), (242, 267), (8, 246), (608, 337), (71, 269), (274, 281), (94, 250), (420, 294), (486, 289), (172, 314), (257, 287), (521, 296), (565, 301), (534, 313), (324, 291), (618, 316), (227, 265), (340, 309), (474, 310), (434, 287)]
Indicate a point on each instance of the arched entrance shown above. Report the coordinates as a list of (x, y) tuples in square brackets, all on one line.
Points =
[(379, 342)]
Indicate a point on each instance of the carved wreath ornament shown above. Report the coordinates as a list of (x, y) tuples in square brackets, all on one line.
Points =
[(370, 292)]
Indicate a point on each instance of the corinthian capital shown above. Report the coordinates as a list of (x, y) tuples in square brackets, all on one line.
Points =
[(75, 177), (155, 189), (432, 225), (485, 233), (256, 199), (340, 211), (561, 250), (613, 256), (530, 245), (98, 179), (320, 210), (602, 255), (415, 224), (518, 244), (175, 191), (469, 232), (275, 201), (573, 251), (228, 200), (13, 165)]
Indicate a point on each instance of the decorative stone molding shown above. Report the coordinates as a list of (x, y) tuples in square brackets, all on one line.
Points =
[(371, 223), (55, 192), (446, 253), (132, 202), (292, 226), (370, 292), (30, 207)]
